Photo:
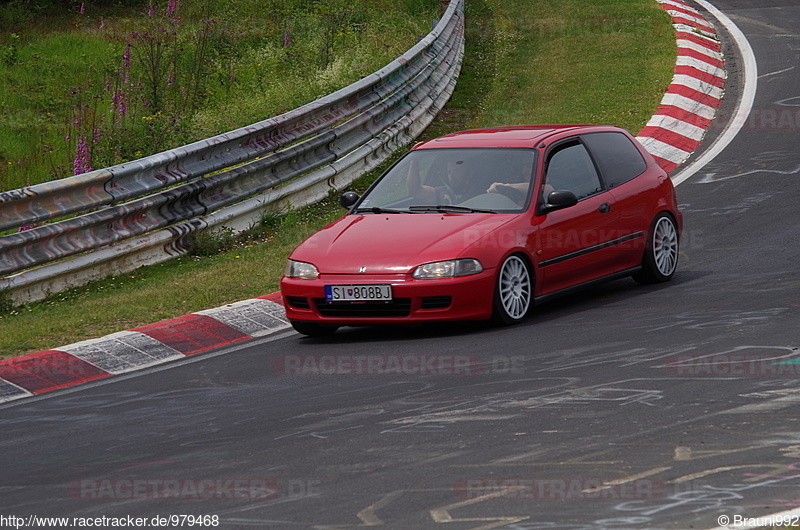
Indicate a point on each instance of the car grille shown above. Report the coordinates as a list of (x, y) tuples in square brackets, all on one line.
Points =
[(298, 302), (436, 302), (399, 307)]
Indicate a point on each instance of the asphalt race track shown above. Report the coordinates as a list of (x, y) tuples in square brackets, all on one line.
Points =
[(671, 406)]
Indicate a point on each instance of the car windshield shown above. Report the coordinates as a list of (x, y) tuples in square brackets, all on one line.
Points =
[(496, 180)]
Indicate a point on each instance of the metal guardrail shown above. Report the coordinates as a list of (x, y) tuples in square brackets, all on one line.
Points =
[(141, 212)]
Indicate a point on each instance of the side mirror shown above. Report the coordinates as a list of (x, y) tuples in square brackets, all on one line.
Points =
[(348, 199), (558, 200)]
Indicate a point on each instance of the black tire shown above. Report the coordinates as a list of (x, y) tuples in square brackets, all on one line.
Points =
[(312, 329), (513, 292), (660, 259)]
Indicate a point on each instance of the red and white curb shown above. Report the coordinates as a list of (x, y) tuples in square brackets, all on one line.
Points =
[(689, 105), (673, 133), (138, 348)]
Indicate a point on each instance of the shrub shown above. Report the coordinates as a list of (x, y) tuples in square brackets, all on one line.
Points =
[(92, 84)]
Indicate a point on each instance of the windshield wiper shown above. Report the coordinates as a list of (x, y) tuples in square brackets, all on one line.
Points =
[(376, 209), (448, 208)]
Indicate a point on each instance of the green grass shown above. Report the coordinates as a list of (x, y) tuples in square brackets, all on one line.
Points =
[(128, 84), (244, 269), (577, 61), (527, 61)]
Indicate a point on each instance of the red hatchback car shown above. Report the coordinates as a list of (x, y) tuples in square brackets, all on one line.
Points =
[(481, 224)]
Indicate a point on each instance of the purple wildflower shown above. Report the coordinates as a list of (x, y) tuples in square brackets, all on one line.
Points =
[(124, 71), (25, 228), (83, 158), (172, 9), (119, 102), (126, 56)]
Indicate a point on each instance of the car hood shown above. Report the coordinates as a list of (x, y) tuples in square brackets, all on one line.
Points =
[(394, 243)]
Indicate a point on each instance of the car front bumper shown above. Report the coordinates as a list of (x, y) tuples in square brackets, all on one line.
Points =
[(413, 301)]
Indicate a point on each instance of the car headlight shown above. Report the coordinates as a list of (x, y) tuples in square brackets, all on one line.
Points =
[(300, 270), (447, 269)]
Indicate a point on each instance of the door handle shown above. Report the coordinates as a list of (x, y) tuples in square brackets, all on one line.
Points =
[(604, 208)]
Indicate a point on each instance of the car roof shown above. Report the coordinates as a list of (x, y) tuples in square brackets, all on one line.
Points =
[(509, 136)]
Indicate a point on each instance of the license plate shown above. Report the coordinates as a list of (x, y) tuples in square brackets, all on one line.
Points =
[(337, 293)]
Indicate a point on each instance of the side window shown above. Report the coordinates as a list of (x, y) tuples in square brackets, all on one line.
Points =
[(570, 168), (618, 159)]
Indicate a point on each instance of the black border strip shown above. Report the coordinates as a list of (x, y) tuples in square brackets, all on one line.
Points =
[(589, 250)]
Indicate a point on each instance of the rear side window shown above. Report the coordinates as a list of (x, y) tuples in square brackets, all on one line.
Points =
[(616, 156), (570, 168)]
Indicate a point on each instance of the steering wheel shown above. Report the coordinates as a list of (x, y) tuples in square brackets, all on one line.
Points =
[(511, 192)]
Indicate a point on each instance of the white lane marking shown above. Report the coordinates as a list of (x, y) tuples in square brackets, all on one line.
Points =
[(704, 50), (663, 150), (689, 105), (9, 391), (122, 352), (184, 360), (743, 106), (698, 85), (677, 126), (762, 76), (685, 60), (691, 29), (700, 22), (255, 317)]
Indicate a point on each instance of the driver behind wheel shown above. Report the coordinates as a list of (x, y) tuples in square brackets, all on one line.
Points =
[(516, 187), (516, 191), (456, 185)]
